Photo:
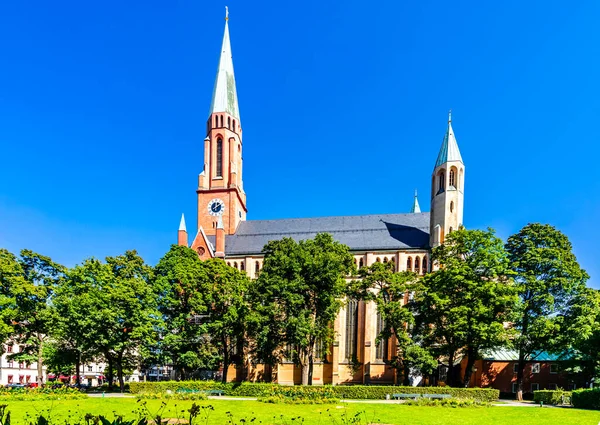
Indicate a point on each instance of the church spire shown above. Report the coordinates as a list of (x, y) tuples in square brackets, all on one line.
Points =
[(224, 97), (449, 150), (415, 208)]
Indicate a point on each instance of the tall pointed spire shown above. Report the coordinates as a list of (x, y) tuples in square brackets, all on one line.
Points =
[(182, 224), (224, 97), (415, 208), (449, 150)]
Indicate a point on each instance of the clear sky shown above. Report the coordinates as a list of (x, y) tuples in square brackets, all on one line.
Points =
[(344, 106)]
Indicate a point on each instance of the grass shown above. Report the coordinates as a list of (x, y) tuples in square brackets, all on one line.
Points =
[(280, 414)]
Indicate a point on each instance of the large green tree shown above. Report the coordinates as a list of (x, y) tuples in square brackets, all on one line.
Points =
[(463, 306), (548, 278), (180, 281), (12, 283), (35, 318), (381, 284), (227, 311), (304, 282)]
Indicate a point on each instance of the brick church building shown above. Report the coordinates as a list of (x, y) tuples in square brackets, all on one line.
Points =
[(403, 238)]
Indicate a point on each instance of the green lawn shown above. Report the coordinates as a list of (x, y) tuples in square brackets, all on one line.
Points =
[(312, 414)]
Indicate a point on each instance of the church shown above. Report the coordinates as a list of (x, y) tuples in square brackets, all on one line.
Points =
[(405, 239)]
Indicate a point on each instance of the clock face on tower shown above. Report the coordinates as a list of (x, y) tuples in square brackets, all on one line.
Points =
[(216, 207)]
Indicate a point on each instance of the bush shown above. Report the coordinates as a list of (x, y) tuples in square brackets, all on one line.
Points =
[(453, 402), (358, 392), (44, 393), (275, 399), (553, 397), (174, 396), (586, 399)]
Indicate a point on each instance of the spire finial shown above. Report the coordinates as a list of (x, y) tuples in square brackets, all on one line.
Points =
[(450, 116), (415, 193), (226, 13)]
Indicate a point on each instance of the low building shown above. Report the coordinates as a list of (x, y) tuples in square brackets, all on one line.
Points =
[(498, 369), (14, 372)]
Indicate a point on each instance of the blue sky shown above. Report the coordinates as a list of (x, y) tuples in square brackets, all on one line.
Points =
[(344, 105)]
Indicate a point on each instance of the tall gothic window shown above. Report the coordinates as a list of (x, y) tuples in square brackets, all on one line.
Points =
[(424, 265), (409, 264), (442, 181), (351, 329), (219, 158), (417, 265), (381, 349), (229, 123), (242, 267), (361, 263), (452, 178), (256, 267), (216, 121)]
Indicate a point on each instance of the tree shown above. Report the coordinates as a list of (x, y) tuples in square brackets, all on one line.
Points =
[(305, 283), (582, 336), (462, 307), (548, 278), (181, 285), (11, 285), (35, 312), (381, 284), (227, 310)]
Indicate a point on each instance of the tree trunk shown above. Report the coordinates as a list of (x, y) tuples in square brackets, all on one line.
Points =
[(469, 367), (77, 368), (225, 359), (520, 368), (310, 368), (40, 364), (120, 371), (109, 374), (405, 374), (450, 373), (303, 358)]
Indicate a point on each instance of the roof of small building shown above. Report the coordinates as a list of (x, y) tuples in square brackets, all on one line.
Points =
[(375, 232), (506, 355)]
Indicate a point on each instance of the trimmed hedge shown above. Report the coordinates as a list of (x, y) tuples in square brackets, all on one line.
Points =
[(62, 393), (586, 399), (553, 397), (356, 392)]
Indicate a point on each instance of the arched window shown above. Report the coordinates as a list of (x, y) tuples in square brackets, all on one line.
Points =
[(361, 264), (219, 158), (452, 178), (381, 349), (256, 267), (221, 120), (216, 121), (229, 263), (393, 261), (385, 260), (409, 264), (235, 264), (424, 265), (451, 206), (242, 267), (234, 129), (441, 181), (450, 230), (417, 265), (378, 260), (351, 329), (229, 123)]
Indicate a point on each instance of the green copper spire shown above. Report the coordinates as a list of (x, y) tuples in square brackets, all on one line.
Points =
[(224, 97), (449, 150), (415, 208)]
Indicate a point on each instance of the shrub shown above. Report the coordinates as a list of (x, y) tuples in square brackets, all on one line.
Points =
[(553, 397), (62, 393), (453, 402), (174, 396), (264, 390), (275, 399), (586, 399)]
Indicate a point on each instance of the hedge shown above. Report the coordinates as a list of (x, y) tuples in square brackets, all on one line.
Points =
[(356, 392), (586, 399), (553, 397)]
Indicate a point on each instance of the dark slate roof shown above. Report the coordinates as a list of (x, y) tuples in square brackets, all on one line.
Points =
[(361, 232)]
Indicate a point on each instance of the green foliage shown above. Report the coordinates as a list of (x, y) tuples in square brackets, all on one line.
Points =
[(196, 396), (586, 399), (297, 296), (552, 397), (548, 280), (12, 285), (44, 393), (462, 306), (353, 392), (452, 402), (280, 398)]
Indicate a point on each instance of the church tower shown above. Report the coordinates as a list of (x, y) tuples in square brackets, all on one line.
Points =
[(447, 189), (220, 188)]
